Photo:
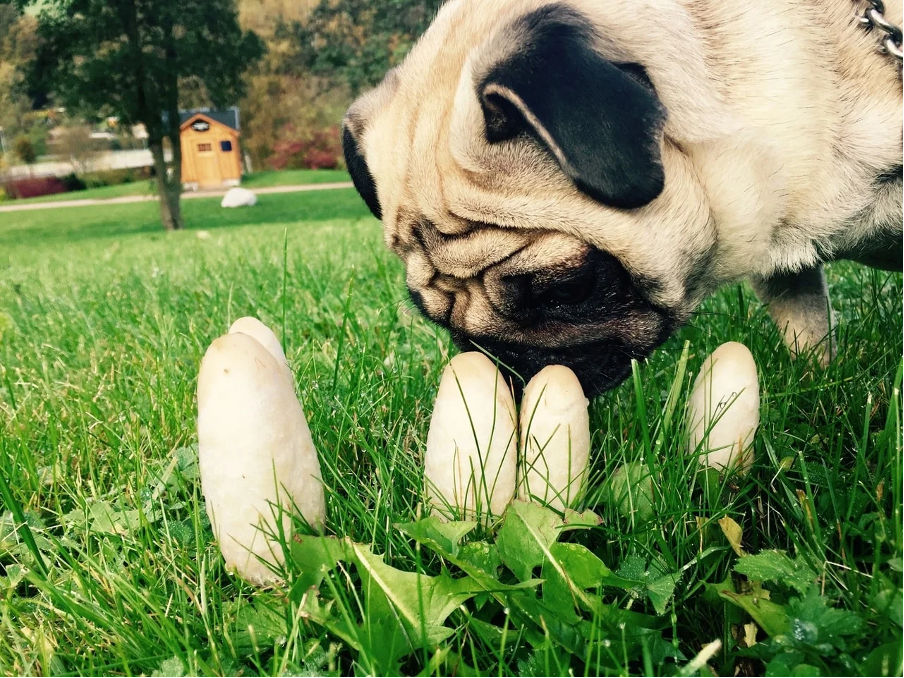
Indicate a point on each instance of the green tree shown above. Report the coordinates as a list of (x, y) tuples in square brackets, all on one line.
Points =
[(128, 58), (25, 150), (357, 41), (17, 45)]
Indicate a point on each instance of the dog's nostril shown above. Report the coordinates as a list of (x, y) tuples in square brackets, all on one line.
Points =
[(571, 292)]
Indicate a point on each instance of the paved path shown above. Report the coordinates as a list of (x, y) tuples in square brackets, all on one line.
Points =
[(187, 195)]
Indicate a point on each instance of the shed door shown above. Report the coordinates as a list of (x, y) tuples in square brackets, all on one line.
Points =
[(206, 163)]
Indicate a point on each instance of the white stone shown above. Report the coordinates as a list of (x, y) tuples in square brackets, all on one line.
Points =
[(724, 408), (555, 438), (238, 197), (257, 460), (471, 459)]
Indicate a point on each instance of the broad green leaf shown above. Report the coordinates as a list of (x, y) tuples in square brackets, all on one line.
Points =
[(584, 568), (571, 569), (584, 520), (771, 617), (483, 556), (885, 660), (404, 611), (260, 624), (525, 537), (889, 603), (340, 625), (660, 591), (441, 537), (776, 566), (542, 624), (313, 557), (367, 624), (421, 600), (790, 664), (649, 579), (816, 624), (633, 569), (106, 519)]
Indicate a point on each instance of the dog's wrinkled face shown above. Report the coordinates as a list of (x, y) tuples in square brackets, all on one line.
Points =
[(529, 186)]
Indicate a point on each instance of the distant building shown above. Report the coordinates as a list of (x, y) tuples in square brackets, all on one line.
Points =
[(210, 148)]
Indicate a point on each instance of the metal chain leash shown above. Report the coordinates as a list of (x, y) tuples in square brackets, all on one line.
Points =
[(874, 17)]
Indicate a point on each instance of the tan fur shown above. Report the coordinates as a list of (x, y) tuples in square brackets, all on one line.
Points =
[(780, 116)]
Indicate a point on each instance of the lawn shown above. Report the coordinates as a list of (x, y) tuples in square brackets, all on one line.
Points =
[(261, 179), (107, 560)]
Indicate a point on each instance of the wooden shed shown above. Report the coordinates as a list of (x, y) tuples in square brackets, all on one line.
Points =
[(210, 149)]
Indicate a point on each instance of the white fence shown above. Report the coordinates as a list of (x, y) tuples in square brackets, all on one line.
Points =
[(105, 160)]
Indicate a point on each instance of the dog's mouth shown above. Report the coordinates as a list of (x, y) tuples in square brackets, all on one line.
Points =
[(599, 365)]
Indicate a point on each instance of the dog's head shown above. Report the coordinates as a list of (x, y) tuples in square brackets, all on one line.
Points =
[(527, 182)]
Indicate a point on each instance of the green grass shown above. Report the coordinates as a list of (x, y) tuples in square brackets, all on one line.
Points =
[(293, 176), (262, 179), (104, 319)]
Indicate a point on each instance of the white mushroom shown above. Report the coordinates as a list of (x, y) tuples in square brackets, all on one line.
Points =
[(257, 460), (471, 459), (724, 408), (255, 329), (555, 438)]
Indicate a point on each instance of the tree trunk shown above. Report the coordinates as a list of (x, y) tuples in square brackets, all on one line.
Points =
[(172, 127), (168, 189)]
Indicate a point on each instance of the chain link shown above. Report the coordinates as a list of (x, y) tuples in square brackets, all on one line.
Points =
[(874, 17)]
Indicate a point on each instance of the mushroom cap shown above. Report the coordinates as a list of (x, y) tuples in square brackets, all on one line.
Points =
[(555, 437), (255, 329), (256, 456), (724, 408), (471, 459)]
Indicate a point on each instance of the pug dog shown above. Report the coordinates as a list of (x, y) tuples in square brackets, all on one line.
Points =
[(566, 180)]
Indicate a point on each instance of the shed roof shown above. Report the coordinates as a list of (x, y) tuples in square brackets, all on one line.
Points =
[(228, 117)]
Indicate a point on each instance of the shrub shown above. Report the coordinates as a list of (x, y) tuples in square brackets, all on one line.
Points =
[(25, 149), (114, 177), (299, 149), (73, 182), (32, 187)]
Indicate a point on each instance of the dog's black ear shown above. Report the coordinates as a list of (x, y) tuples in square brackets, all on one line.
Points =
[(601, 121), (357, 167)]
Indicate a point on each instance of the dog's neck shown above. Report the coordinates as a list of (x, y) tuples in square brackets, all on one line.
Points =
[(817, 145)]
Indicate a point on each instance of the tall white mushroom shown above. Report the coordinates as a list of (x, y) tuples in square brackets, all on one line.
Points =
[(555, 438), (471, 459), (257, 460), (255, 329), (723, 412)]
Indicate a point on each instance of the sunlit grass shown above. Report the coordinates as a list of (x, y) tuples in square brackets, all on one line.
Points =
[(147, 187), (104, 319)]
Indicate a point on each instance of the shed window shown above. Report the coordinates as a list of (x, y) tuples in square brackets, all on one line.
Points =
[(226, 146), (205, 147)]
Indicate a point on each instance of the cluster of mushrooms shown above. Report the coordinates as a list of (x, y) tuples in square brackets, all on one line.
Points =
[(259, 465)]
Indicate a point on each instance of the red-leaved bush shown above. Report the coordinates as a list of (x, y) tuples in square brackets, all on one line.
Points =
[(31, 187), (303, 149)]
